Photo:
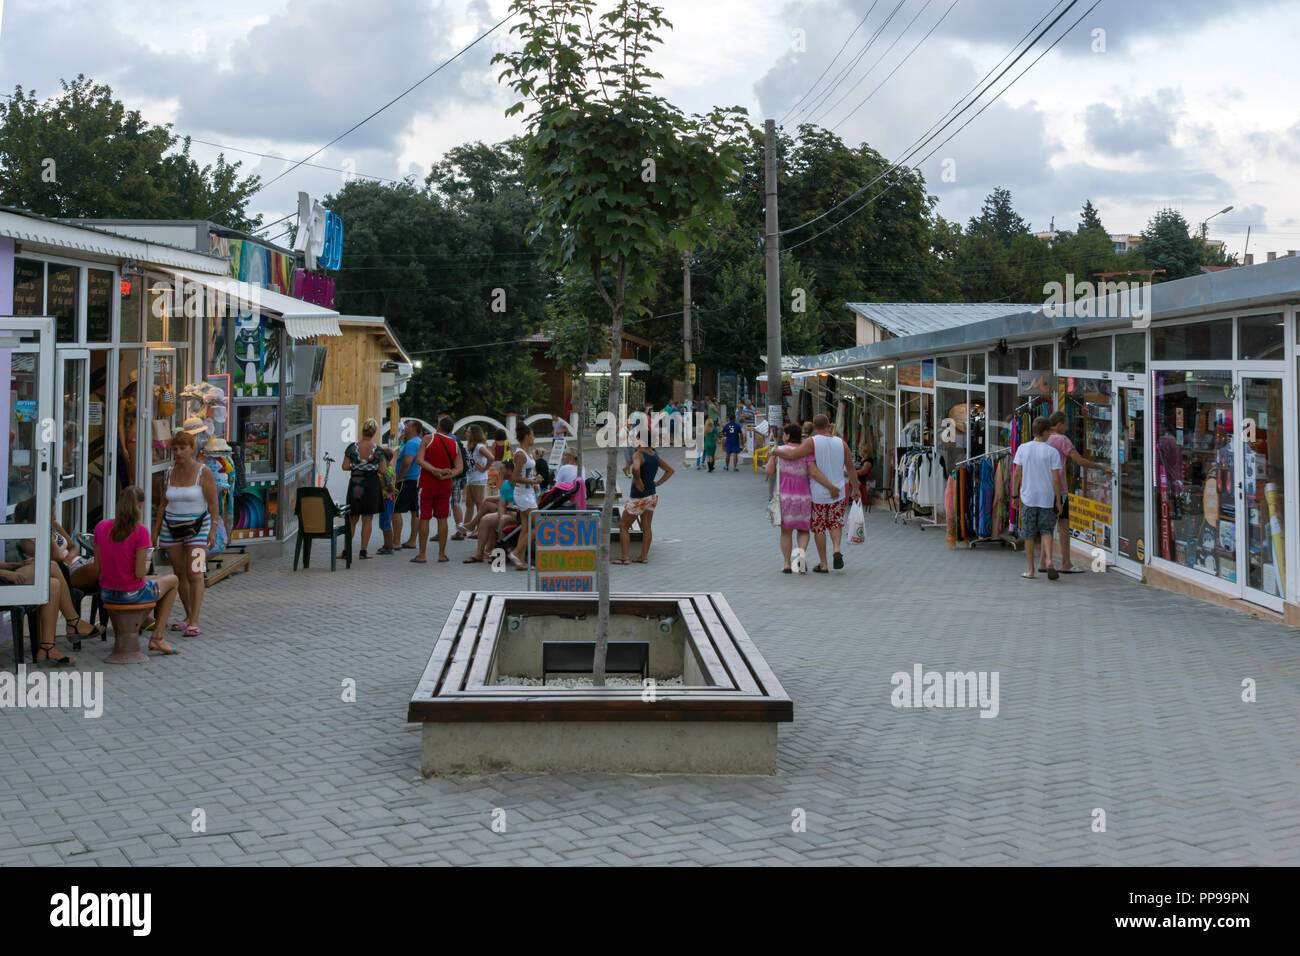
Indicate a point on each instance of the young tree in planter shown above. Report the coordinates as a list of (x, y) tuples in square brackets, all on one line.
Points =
[(621, 173)]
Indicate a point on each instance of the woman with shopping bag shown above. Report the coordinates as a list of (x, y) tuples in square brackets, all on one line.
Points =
[(791, 506)]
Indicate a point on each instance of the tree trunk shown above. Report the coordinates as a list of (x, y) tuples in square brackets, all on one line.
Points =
[(611, 466)]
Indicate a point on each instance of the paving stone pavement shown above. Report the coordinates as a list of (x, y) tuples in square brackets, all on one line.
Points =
[(1113, 695)]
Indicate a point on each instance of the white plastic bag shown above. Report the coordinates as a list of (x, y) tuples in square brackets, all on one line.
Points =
[(857, 524)]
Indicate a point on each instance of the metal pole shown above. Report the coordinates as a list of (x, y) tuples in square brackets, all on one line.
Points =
[(771, 251), (686, 321)]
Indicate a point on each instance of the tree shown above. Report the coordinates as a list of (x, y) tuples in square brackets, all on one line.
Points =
[(1167, 245), (83, 155), (1091, 221), (620, 172), (998, 220)]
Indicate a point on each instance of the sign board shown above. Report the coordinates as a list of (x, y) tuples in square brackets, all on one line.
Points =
[(775, 419), (563, 545), (1033, 383), (1090, 521), (558, 447), (690, 373)]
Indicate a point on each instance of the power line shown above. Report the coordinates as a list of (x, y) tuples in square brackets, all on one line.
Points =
[(896, 66), (399, 96), (925, 139), (781, 121), (964, 125), (843, 74), (916, 16), (332, 169)]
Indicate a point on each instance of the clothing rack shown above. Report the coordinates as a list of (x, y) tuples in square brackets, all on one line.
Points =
[(1003, 538), (923, 520)]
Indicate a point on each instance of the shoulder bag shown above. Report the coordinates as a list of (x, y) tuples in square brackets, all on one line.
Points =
[(774, 503)]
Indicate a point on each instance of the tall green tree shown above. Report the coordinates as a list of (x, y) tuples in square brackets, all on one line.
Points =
[(83, 154), (1091, 221), (998, 219), (1167, 245), (620, 172)]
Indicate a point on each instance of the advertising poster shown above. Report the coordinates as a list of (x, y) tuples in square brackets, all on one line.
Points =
[(564, 550)]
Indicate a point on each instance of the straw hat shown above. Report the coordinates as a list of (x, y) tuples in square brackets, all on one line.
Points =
[(216, 446), (195, 425)]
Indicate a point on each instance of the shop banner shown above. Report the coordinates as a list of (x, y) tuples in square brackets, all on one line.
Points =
[(563, 545), (1035, 384), (1090, 521)]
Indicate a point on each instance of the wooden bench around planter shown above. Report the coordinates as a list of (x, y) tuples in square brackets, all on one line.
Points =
[(729, 685)]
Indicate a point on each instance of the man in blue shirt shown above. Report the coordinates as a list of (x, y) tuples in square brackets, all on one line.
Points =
[(731, 435), (408, 482)]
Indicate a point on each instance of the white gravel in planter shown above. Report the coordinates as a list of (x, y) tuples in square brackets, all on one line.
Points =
[(509, 681)]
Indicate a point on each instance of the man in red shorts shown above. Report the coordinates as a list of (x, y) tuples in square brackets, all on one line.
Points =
[(439, 460)]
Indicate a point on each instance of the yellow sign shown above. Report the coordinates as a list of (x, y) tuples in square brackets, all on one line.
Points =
[(1089, 519), (690, 373), (566, 560)]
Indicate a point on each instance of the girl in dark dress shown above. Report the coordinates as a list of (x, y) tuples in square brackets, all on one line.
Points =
[(365, 460)]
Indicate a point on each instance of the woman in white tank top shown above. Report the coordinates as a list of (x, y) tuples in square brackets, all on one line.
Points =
[(185, 526)]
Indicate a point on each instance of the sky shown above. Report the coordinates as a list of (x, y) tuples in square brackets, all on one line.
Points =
[(1188, 104)]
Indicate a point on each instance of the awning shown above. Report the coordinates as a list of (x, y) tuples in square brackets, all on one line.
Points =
[(796, 376), (303, 319), (601, 366), (301, 328)]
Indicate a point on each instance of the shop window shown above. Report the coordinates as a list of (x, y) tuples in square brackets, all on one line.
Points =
[(1009, 364), (951, 368), (29, 287), (975, 369), (297, 412), (1131, 352), (131, 304), (99, 306), (1088, 415), (1042, 357), (1002, 402), (216, 344), (1261, 337), (1192, 477), (1091, 353), (157, 307), (61, 290), (1195, 342), (950, 440)]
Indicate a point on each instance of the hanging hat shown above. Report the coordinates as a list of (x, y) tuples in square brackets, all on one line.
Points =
[(195, 425), (216, 446)]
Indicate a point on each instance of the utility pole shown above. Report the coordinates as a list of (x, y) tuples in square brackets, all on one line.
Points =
[(686, 321), (772, 252)]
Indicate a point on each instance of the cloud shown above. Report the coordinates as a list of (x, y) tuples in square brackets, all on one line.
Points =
[(1143, 125)]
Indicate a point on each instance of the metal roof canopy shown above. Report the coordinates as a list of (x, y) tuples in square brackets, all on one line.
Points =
[(25, 226), (914, 318), (1245, 287), (322, 321), (626, 367)]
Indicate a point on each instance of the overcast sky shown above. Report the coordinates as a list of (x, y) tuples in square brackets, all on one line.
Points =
[(1183, 103)]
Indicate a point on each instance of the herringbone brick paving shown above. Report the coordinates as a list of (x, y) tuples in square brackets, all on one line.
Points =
[(1113, 695)]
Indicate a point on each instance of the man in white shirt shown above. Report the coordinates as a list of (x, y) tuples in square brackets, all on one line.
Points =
[(835, 462), (1038, 488)]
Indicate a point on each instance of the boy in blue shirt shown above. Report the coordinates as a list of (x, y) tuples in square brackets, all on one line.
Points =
[(731, 435)]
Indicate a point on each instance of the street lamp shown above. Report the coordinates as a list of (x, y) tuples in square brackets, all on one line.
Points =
[(1208, 218)]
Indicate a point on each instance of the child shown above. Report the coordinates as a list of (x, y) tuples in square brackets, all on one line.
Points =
[(491, 524), (388, 475), (731, 433)]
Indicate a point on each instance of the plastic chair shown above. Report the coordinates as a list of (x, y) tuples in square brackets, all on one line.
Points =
[(127, 619), (761, 456), (320, 517)]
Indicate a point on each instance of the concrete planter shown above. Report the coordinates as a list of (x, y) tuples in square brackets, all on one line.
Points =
[(723, 720)]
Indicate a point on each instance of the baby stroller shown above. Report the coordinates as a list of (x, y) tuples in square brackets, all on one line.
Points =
[(554, 500)]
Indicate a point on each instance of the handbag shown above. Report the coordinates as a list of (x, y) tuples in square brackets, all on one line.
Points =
[(166, 397), (774, 503)]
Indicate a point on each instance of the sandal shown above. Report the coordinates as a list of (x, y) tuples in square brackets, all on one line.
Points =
[(179, 626), (458, 536), (193, 631), (63, 660), (93, 632), (620, 561), (162, 647), (384, 550), (472, 559), (364, 556), (821, 570)]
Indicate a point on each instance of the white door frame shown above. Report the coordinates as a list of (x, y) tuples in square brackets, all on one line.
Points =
[(1253, 595), (38, 530), (62, 495)]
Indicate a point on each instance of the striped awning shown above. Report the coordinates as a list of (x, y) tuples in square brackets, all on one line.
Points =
[(305, 328), (303, 319)]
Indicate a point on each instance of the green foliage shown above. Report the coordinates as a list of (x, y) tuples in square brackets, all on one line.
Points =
[(109, 163), (1167, 245), (998, 220), (1091, 221)]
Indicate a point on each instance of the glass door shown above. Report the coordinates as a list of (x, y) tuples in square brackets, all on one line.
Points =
[(160, 403), (70, 427), (1260, 527), (27, 407), (1130, 479)]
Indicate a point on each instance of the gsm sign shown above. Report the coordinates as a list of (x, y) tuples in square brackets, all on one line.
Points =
[(567, 533)]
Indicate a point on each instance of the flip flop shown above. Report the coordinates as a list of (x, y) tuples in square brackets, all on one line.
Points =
[(620, 561), (443, 558), (640, 561), (472, 560), (1071, 570), (193, 631), (820, 570), (1053, 574), (179, 626), (419, 560), (168, 652), (837, 561), (786, 571), (1026, 575)]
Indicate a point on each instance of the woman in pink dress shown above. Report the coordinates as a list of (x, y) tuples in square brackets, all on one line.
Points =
[(796, 496)]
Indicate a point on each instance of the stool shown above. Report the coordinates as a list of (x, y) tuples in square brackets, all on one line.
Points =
[(127, 619)]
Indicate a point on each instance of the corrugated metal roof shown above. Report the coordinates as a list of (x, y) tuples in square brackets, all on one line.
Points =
[(26, 226), (913, 318)]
